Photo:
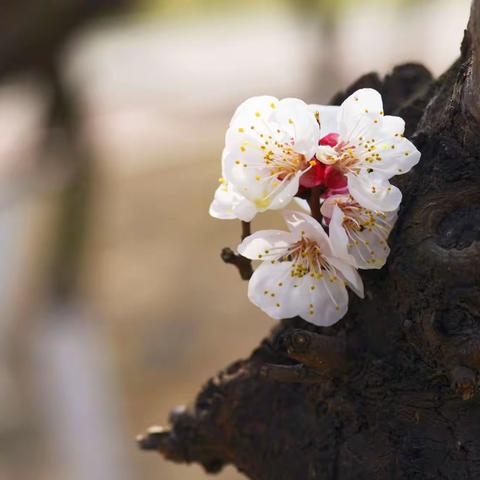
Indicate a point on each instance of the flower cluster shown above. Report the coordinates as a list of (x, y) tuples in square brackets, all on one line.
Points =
[(339, 158)]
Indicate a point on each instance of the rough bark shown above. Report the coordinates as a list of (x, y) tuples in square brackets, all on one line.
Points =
[(391, 391)]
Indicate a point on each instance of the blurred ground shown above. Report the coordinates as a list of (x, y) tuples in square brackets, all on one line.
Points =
[(157, 312)]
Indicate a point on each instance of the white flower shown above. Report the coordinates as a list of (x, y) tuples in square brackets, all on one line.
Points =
[(299, 273), (358, 235), (270, 143), (228, 204), (367, 147)]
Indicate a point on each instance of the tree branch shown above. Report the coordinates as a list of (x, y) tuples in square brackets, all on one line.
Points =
[(398, 410), (244, 265)]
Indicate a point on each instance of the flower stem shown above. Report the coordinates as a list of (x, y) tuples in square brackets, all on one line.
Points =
[(245, 230), (314, 202), (243, 264)]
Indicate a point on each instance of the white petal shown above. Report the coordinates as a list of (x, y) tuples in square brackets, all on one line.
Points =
[(374, 192), (329, 204), (393, 125), (258, 185), (273, 290), (221, 206), (327, 300), (364, 104), (227, 204), (294, 116), (327, 115), (243, 163), (338, 237), (377, 127), (284, 195), (356, 283), (385, 153), (254, 182), (348, 273), (301, 223), (302, 203), (244, 209), (265, 244), (247, 111), (369, 247)]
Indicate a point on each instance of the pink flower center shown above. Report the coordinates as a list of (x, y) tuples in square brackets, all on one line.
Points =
[(330, 140)]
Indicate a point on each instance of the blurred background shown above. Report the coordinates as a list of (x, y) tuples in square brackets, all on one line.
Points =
[(114, 304)]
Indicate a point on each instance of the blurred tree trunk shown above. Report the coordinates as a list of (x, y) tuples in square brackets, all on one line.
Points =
[(33, 34), (391, 391), (67, 357)]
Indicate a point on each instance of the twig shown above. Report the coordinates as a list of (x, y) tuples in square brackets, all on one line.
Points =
[(244, 265), (186, 441), (156, 438)]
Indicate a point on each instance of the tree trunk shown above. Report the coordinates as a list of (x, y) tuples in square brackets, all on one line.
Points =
[(391, 390)]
